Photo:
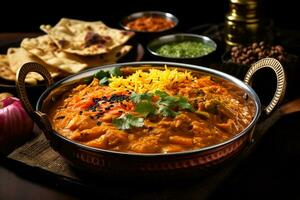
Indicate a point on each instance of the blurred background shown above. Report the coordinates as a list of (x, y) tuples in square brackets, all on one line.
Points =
[(23, 16)]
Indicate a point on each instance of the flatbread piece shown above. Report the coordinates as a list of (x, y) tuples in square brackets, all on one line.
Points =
[(86, 38)]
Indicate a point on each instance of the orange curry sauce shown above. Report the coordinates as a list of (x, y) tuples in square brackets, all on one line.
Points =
[(85, 115), (150, 24)]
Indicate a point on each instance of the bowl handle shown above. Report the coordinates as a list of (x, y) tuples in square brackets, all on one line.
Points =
[(39, 117), (280, 75)]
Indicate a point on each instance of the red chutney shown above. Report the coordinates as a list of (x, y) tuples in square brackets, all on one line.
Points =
[(150, 24)]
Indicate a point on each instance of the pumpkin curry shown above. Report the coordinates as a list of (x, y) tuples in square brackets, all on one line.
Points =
[(151, 111)]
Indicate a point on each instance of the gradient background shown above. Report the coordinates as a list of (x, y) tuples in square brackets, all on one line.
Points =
[(21, 16)]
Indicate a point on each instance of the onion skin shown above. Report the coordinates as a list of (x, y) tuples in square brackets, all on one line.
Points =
[(4, 95), (15, 124)]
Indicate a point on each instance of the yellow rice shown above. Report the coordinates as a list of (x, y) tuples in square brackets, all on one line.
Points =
[(142, 82)]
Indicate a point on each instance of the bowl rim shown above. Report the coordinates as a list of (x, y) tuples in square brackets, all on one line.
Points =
[(139, 14), (190, 35), (89, 72)]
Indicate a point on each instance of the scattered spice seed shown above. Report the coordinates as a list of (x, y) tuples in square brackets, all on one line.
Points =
[(60, 117)]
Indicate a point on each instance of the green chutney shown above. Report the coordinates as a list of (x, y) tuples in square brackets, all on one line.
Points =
[(184, 49)]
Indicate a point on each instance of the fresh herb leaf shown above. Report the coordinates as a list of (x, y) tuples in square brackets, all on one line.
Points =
[(174, 101), (88, 80), (169, 101), (136, 98), (103, 81), (166, 106), (101, 74), (136, 121), (145, 108), (161, 94), (166, 112), (115, 72), (128, 121), (183, 104), (121, 123)]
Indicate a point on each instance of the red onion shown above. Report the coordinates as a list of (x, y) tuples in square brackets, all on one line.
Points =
[(15, 124)]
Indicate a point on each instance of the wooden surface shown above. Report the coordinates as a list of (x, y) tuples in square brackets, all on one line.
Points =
[(37, 155)]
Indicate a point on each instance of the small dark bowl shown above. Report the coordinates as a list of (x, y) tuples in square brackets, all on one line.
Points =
[(202, 59), (145, 36)]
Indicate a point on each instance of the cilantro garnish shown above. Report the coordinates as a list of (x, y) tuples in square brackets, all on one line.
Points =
[(103, 81), (183, 104), (115, 71), (145, 108), (137, 98), (166, 111), (166, 105), (88, 80), (161, 94), (103, 76), (128, 121), (172, 103)]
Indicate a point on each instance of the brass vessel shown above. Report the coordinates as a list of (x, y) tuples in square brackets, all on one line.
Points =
[(121, 164), (243, 23)]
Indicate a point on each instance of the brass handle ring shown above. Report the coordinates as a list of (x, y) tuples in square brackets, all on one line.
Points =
[(280, 75), (39, 117)]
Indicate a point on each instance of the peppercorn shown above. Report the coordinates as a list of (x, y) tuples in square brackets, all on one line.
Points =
[(255, 51)]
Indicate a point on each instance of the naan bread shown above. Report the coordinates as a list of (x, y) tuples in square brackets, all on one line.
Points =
[(108, 58), (7, 74), (5, 71), (17, 57), (86, 38), (44, 48)]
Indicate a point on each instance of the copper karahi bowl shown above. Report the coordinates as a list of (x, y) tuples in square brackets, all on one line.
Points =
[(119, 163)]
